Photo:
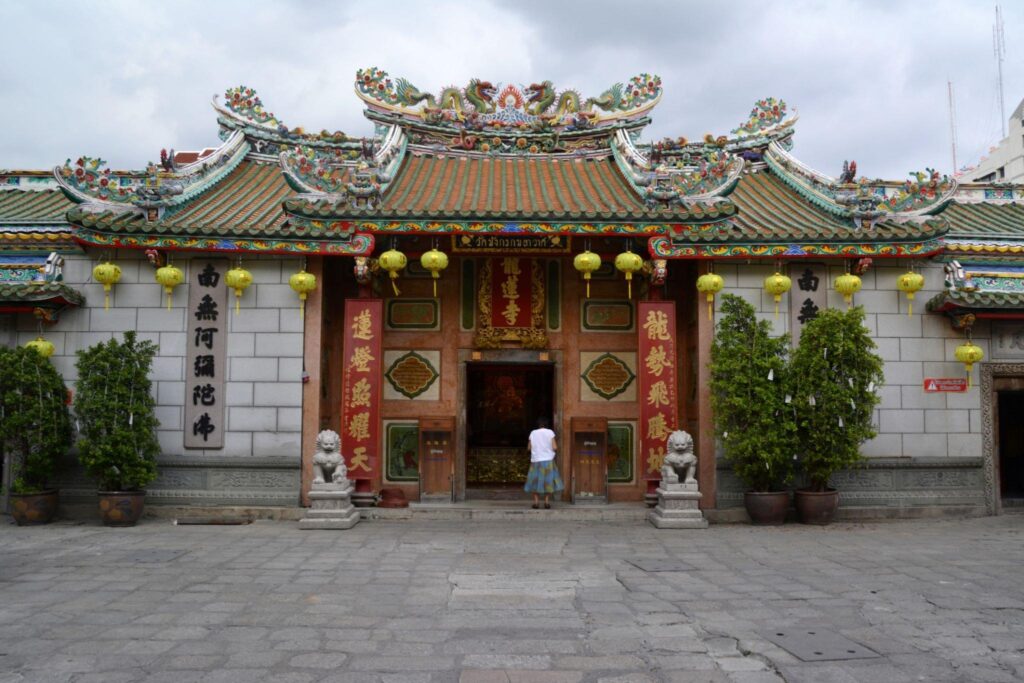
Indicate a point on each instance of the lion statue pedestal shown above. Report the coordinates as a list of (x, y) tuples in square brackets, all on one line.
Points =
[(677, 506), (330, 495)]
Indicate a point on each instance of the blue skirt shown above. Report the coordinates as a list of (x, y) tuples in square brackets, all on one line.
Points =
[(544, 478)]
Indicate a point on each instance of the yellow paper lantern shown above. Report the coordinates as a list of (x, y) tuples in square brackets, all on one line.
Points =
[(435, 261), (848, 285), (710, 284), (586, 263), (628, 263), (777, 285), (911, 283), (108, 275), (303, 283), (170, 277), (393, 261), (239, 279), (43, 347), (969, 353)]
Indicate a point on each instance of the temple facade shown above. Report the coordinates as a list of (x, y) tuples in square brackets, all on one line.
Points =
[(493, 254)]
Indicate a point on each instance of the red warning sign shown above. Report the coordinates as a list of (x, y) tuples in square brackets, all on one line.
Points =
[(933, 384)]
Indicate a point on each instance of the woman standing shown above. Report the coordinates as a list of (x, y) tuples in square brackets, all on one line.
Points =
[(543, 476)]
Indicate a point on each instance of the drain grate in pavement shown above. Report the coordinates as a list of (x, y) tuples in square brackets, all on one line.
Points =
[(817, 644), (146, 556), (661, 565)]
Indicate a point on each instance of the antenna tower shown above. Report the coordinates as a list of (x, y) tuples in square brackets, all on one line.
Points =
[(952, 123), (999, 49)]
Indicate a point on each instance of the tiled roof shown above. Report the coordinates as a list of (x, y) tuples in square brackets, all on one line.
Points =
[(521, 188), (33, 206), (247, 202), (769, 211), (985, 220)]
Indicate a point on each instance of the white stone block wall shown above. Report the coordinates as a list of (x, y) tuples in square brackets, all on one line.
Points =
[(910, 422), (263, 389)]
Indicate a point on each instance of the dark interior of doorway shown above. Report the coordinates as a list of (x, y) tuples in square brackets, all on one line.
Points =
[(503, 403), (1011, 445)]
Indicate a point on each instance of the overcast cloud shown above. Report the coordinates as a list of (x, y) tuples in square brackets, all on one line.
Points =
[(120, 80)]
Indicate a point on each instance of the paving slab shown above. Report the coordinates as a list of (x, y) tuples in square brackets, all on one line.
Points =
[(466, 598)]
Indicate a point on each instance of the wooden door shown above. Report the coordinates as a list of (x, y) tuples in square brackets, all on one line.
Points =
[(437, 458), (589, 459)]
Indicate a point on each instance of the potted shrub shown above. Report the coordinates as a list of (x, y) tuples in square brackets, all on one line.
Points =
[(752, 419), (834, 377), (35, 431), (114, 406)]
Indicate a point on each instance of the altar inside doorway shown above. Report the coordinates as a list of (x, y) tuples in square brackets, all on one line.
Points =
[(503, 404)]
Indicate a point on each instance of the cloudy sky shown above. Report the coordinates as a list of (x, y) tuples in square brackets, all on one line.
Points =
[(120, 80)]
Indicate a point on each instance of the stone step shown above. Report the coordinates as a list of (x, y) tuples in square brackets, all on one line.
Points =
[(506, 510)]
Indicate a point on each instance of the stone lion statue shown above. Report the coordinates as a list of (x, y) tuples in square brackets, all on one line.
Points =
[(679, 457), (327, 461)]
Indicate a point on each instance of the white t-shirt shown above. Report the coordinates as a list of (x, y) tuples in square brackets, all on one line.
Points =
[(541, 442)]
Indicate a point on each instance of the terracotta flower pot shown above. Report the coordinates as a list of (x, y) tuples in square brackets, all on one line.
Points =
[(121, 508), (766, 509), (816, 507), (29, 509)]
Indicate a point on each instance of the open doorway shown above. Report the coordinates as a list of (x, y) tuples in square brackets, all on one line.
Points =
[(1011, 447), (503, 403)]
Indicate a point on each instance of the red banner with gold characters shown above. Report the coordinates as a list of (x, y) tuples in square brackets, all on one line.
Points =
[(657, 374), (361, 388), (511, 292)]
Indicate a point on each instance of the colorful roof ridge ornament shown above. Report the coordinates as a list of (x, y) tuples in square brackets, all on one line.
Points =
[(88, 178), (483, 105), (766, 114), (244, 101)]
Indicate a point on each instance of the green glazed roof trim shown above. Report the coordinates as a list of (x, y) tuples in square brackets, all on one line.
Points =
[(985, 220), (961, 299), (33, 206), (39, 292)]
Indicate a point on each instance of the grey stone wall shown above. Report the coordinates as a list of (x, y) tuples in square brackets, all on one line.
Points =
[(263, 390)]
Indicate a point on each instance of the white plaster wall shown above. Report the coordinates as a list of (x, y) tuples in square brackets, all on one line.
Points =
[(910, 422), (263, 390)]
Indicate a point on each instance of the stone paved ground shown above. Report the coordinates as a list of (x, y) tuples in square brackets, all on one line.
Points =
[(505, 601)]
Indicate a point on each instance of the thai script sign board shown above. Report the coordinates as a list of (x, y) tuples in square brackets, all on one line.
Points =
[(936, 384), (206, 327), (658, 392), (361, 388)]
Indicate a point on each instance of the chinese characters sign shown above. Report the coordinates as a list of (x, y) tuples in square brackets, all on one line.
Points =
[(510, 292), (808, 297), (206, 367), (361, 388), (658, 391)]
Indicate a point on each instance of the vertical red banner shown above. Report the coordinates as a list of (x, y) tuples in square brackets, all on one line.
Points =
[(511, 292), (657, 374), (361, 388)]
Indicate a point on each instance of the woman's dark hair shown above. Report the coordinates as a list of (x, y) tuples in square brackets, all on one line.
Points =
[(543, 423)]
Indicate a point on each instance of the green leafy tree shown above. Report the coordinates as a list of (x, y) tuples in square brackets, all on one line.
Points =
[(114, 404), (35, 427), (834, 377), (755, 425)]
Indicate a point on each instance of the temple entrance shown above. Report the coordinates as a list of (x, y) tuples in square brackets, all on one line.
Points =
[(1011, 448), (503, 402)]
